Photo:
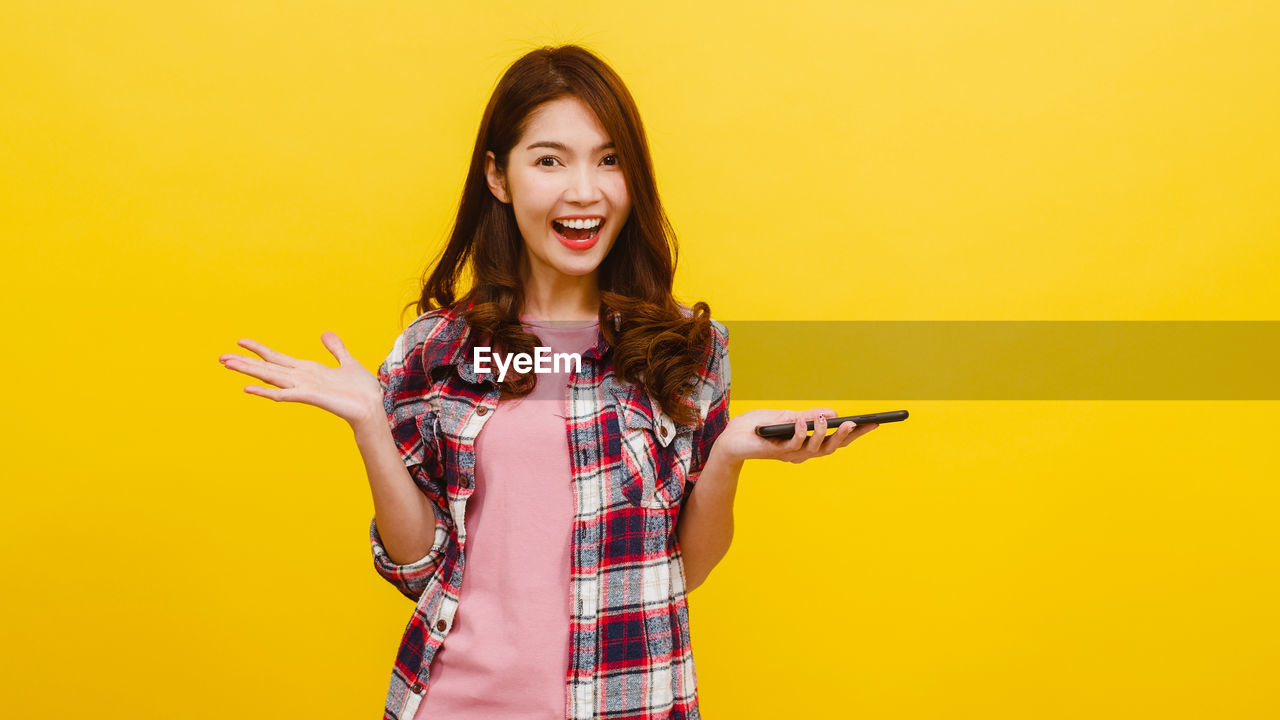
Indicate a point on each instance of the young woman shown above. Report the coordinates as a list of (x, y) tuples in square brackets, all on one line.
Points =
[(564, 494)]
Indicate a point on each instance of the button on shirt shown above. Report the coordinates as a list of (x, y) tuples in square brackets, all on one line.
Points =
[(630, 468)]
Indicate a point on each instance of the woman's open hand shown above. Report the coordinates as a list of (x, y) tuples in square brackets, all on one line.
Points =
[(739, 440), (349, 391)]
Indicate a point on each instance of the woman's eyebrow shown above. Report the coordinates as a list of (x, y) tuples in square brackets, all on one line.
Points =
[(562, 148)]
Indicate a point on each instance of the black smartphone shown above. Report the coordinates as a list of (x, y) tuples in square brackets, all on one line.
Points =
[(788, 430)]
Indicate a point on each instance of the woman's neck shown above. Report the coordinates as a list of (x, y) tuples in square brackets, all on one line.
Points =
[(561, 297)]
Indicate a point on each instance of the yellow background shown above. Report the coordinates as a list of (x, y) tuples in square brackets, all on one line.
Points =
[(174, 176)]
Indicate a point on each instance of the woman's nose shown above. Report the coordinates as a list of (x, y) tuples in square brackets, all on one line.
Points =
[(584, 186)]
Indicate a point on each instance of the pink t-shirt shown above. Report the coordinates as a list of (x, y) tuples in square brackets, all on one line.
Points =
[(507, 655)]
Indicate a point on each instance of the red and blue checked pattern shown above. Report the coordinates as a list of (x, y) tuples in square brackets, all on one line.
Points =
[(632, 466)]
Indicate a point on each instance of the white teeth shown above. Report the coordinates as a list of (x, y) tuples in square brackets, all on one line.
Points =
[(580, 224)]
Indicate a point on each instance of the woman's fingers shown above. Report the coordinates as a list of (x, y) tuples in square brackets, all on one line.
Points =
[(838, 439), (797, 439), (273, 374), (820, 444), (801, 445), (819, 417), (858, 432), (267, 353), (819, 434), (345, 391), (276, 394), (335, 346)]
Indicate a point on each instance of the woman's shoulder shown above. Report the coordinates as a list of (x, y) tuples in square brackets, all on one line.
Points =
[(432, 324), (714, 374), (428, 340)]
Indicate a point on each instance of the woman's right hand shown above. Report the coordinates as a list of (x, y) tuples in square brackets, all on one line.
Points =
[(349, 391)]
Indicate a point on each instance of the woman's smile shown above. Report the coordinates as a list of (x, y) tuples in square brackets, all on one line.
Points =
[(576, 232)]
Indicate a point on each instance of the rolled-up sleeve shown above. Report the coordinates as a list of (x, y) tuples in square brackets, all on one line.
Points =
[(405, 384), (713, 404), (413, 578)]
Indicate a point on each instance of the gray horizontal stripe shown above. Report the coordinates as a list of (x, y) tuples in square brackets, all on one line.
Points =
[(1005, 360)]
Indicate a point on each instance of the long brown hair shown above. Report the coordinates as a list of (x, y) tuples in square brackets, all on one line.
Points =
[(656, 345)]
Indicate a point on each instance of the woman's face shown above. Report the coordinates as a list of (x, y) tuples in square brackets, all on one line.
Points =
[(563, 168)]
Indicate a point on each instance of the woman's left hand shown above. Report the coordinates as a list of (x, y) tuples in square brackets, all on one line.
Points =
[(739, 440)]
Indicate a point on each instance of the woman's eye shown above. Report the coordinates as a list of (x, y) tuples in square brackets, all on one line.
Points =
[(615, 157), (545, 157)]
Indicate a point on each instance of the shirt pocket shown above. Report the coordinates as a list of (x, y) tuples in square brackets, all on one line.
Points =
[(653, 468)]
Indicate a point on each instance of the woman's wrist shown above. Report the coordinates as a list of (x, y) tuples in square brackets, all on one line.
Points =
[(371, 423), (720, 455)]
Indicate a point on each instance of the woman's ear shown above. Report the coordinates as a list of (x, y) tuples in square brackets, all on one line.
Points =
[(497, 183)]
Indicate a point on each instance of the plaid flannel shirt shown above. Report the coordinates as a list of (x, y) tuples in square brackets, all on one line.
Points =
[(632, 466)]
